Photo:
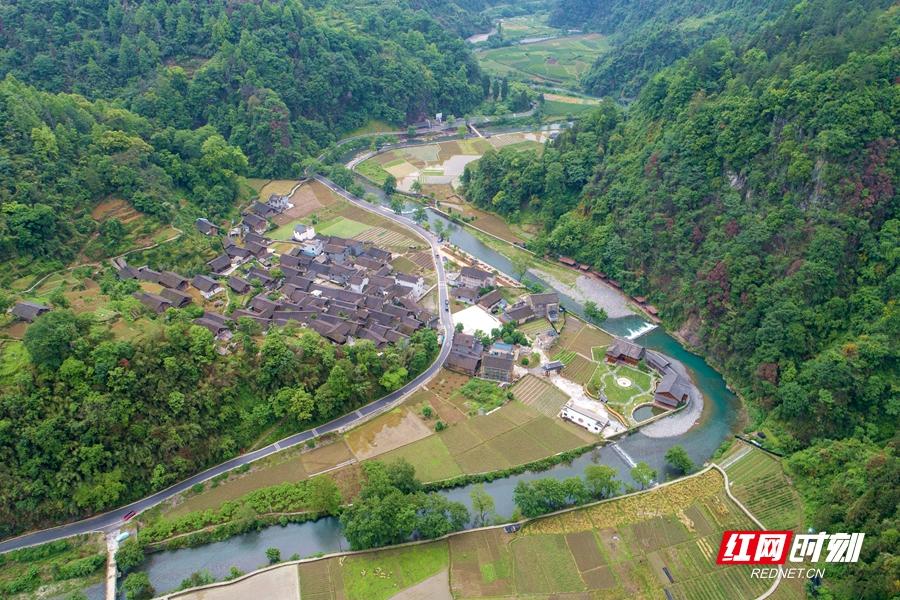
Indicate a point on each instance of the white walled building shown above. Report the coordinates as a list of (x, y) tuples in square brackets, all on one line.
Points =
[(585, 413)]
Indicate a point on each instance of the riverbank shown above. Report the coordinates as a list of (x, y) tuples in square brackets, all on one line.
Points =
[(666, 516)]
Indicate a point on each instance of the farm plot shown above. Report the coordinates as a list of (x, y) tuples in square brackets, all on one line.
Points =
[(677, 527), (343, 227), (541, 395), (382, 574), (579, 369), (512, 435), (760, 483), (565, 356), (383, 238), (391, 430), (309, 198), (481, 565), (321, 580), (587, 338), (562, 60), (535, 328), (544, 565)]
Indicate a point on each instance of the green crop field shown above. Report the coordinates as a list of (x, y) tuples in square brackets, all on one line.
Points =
[(760, 483), (565, 357), (372, 170), (343, 227), (579, 369), (380, 575), (534, 328), (539, 394), (562, 60), (512, 435)]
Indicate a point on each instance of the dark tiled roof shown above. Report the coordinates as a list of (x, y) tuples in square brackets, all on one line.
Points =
[(29, 311)]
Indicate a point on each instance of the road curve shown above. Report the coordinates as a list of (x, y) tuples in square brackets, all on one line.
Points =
[(113, 519)]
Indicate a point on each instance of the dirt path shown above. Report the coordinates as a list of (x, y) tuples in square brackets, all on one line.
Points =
[(436, 587)]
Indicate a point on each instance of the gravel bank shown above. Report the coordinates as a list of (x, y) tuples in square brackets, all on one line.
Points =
[(590, 288)]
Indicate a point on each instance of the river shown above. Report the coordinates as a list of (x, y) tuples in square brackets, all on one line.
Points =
[(720, 416)]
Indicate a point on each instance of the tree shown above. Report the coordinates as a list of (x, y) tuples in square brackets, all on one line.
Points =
[(137, 587), (459, 327), (274, 555), (130, 555), (50, 338), (324, 495), (521, 262), (594, 313), (678, 459), (390, 185), (601, 481), (643, 474), (482, 505), (436, 515), (397, 204), (419, 214)]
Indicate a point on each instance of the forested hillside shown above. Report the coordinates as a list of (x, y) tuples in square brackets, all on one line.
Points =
[(648, 36), (61, 154), (279, 80), (98, 421), (750, 192)]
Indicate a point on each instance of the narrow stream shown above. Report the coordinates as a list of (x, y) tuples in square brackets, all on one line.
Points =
[(721, 410)]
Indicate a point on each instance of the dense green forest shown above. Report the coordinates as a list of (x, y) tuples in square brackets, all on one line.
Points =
[(279, 80), (750, 192), (650, 35), (61, 154), (96, 421)]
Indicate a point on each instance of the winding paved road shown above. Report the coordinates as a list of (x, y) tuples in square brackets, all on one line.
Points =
[(113, 519)]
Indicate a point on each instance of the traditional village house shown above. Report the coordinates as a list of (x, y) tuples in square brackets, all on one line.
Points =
[(28, 311)]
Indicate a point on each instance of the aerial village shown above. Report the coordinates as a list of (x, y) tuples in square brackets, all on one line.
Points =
[(348, 290)]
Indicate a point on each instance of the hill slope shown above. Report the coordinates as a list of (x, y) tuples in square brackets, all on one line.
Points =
[(750, 192)]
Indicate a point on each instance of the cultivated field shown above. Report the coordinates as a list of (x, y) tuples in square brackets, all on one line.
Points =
[(760, 483), (561, 61), (376, 575), (535, 328), (439, 164), (541, 395), (658, 544), (512, 435)]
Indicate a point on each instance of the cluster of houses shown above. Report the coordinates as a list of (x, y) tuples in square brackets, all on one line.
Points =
[(472, 281), (672, 390), (469, 356), (344, 289)]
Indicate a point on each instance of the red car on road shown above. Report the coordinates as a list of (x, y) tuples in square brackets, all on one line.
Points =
[(128, 515)]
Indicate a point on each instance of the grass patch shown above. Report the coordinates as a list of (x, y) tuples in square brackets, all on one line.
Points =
[(483, 395), (370, 169), (13, 358), (343, 227), (382, 574), (429, 456)]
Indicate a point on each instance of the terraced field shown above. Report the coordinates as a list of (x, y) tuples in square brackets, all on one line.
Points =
[(561, 61), (541, 395), (534, 328), (658, 544), (579, 369), (512, 435), (760, 483)]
